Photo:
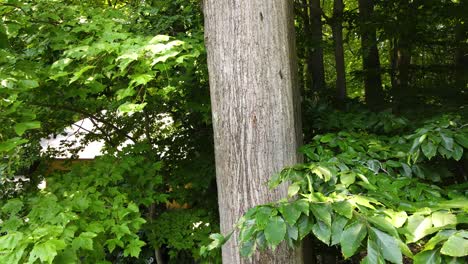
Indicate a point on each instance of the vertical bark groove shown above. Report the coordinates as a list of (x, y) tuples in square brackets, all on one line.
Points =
[(251, 62)]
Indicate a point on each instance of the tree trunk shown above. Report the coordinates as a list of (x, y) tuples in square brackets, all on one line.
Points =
[(337, 28), (304, 11), (400, 71), (254, 97), (370, 56), (461, 52), (318, 70)]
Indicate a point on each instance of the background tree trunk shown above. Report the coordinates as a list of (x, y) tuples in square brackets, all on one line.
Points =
[(370, 56), (318, 70), (252, 72), (337, 28)]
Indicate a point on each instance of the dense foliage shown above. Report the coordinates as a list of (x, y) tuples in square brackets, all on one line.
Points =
[(381, 186), (372, 187)]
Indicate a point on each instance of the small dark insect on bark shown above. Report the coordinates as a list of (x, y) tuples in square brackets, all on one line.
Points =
[(261, 16), (281, 74)]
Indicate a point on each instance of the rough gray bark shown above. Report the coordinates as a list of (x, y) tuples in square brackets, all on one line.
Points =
[(251, 63), (337, 28)]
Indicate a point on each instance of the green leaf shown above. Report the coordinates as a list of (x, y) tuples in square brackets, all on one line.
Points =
[(428, 257), (322, 232), (11, 143), (397, 219), (447, 141), (429, 149), (462, 139), (323, 173), (159, 38), (131, 108), (293, 232), (84, 241), (389, 246), (293, 189), (11, 240), (352, 237), (46, 251), (443, 235), (247, 248), (275, 231), (124, 93), (348, 178), (322, 212), (383, 224), (343, 208), (374, 255), (247, 231), (78, 74), (337, 229), (443, 218), (456, 245), (141, 79), (290, 213), (133, 249), (418, 227), (20, 128), (457, 153), (304, 225), (302, 206), (263, 216)]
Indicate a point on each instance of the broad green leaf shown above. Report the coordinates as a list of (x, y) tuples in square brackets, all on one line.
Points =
[(20, 128), (352, 237), (11, 143), (456, 245), (457, 153), (293, 189), (124, 93), (447, 141), (84, 241), (78, 74), (418, 227), (374, 254), (263, 216), (343, 208), (133, 249), (383, 224), (338, 225), (140, 79), (28, 84), (247, 248), (398, 219), (322, 232), (441, 236), (46, 251), (131, 108), (323, 173), (247, 231), (275, 231), (429, 149), (159, 38), (290, 213), (11, 240), (305, 226), (322, 212), (462, 139), (292, 232), (428, 257), (443, 218), (303, 206), (374, 166), (348, 178), (389, 246)]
